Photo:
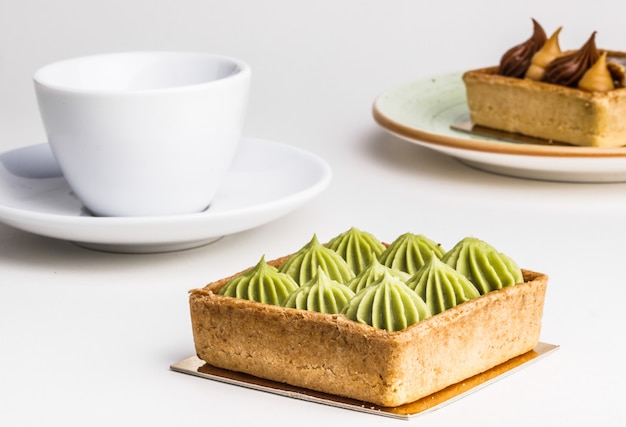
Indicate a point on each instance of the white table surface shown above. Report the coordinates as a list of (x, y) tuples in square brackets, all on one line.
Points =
[(86, 338)]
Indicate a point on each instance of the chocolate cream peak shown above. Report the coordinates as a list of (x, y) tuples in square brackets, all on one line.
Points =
[(517, 59), (567, 70)]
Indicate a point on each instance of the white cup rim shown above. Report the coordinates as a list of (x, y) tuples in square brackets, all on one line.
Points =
[(44, 76)]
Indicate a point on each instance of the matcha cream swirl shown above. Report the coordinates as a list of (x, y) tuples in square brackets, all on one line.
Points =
[(302, 266), (441, 286), (372, 273), (357, 247), (483, 265), (409, 252), (262, 283), (320, 294), (387, 304)]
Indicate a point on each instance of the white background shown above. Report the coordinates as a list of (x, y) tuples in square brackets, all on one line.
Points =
[(86, 338)]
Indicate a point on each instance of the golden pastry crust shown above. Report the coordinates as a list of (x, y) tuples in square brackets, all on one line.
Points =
[(332, 354), (551, 112)]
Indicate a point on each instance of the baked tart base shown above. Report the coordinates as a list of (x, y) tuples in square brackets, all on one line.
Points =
[(336, 356), (197, 367), (547, 111)]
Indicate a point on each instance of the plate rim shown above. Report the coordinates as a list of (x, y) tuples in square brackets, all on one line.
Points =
[(478, 144)]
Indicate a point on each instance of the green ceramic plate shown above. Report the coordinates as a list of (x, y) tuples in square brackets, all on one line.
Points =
[(424, 111)]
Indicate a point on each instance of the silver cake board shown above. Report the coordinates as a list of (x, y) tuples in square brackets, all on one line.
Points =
[(194, 366)]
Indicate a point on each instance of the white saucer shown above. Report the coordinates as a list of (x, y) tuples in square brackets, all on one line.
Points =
[(266, 181), (423, 111)]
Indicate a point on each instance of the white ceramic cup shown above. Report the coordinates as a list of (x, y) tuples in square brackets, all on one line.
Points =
[(144, 133)]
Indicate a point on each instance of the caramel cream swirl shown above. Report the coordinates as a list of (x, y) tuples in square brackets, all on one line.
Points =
[(567, 70), (540, 60), (598, 78), (516, 61)]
